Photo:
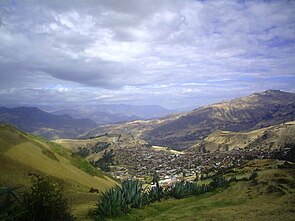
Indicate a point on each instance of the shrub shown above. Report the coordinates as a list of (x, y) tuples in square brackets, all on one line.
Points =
[(218, 182), (183, 189), (45, 202), (9, 204), (253, 176)]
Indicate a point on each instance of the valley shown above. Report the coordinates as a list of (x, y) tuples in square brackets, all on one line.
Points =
[(147, 110), (230, 143)]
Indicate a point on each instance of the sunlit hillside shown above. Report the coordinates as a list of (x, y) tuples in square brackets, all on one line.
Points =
[(22, 153), (270, 196)]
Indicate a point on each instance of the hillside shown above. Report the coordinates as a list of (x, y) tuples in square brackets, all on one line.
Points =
[(36, 121), (271, 196), (243, 114), (21, 153), (269, 138)]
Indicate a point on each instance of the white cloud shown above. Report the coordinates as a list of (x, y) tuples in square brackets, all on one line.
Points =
[(134, 50)]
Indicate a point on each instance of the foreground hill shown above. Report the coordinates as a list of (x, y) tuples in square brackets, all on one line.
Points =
[(21, 153), (36, 121), (243, 114), (270, 196), (269, 138)]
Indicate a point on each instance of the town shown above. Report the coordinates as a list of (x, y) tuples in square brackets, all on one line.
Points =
[(144, 162)]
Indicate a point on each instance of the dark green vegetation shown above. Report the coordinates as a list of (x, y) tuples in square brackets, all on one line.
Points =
[(45, 201), (22, 153), (131, 194), (269, 196), (9, 204), (95, 148), (36, 121), (105, 161)]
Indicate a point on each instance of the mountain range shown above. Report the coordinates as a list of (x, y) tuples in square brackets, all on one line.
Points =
[(242, 114), (178, 131), (116, 113), (184, 130), (36, 121)]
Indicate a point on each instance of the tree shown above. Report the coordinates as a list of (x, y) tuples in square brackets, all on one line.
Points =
[(45, 202), (106, 160)]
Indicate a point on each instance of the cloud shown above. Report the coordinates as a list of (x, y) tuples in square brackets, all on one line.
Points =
[(131, 50)]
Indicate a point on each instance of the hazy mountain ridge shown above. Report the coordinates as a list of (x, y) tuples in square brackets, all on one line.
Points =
[(135, 129), (106, 114), (242, 114), (100, 118), (34, 120)]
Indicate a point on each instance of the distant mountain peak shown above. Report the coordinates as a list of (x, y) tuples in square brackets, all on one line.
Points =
[(272, 91)]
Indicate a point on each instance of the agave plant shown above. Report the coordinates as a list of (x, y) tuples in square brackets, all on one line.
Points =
[(133, 193), (183, 189), (9, 207), (111, 204), (151, 195)]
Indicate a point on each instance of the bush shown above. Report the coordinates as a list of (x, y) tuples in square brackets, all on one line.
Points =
[(183, 189), (45, 202), (218, 182), (9, 204), (253, 176)]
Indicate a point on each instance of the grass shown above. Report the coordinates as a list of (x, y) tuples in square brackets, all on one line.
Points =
[(21, 153), (271, 197), (73, 144)]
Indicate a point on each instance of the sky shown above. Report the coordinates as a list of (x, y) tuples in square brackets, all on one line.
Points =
[(178, 53)]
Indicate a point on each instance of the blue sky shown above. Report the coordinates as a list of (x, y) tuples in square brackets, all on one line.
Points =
[(178, 54)]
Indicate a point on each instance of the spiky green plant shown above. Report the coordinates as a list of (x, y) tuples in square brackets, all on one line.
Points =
[(183, 189), (9, 204), (118, 200), (133, 193), (111, 204)]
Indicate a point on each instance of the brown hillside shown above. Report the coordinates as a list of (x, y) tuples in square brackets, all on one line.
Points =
[(243, 114)]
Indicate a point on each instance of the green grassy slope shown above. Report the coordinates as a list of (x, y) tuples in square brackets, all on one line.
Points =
[(21, 152), (271, 197)]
